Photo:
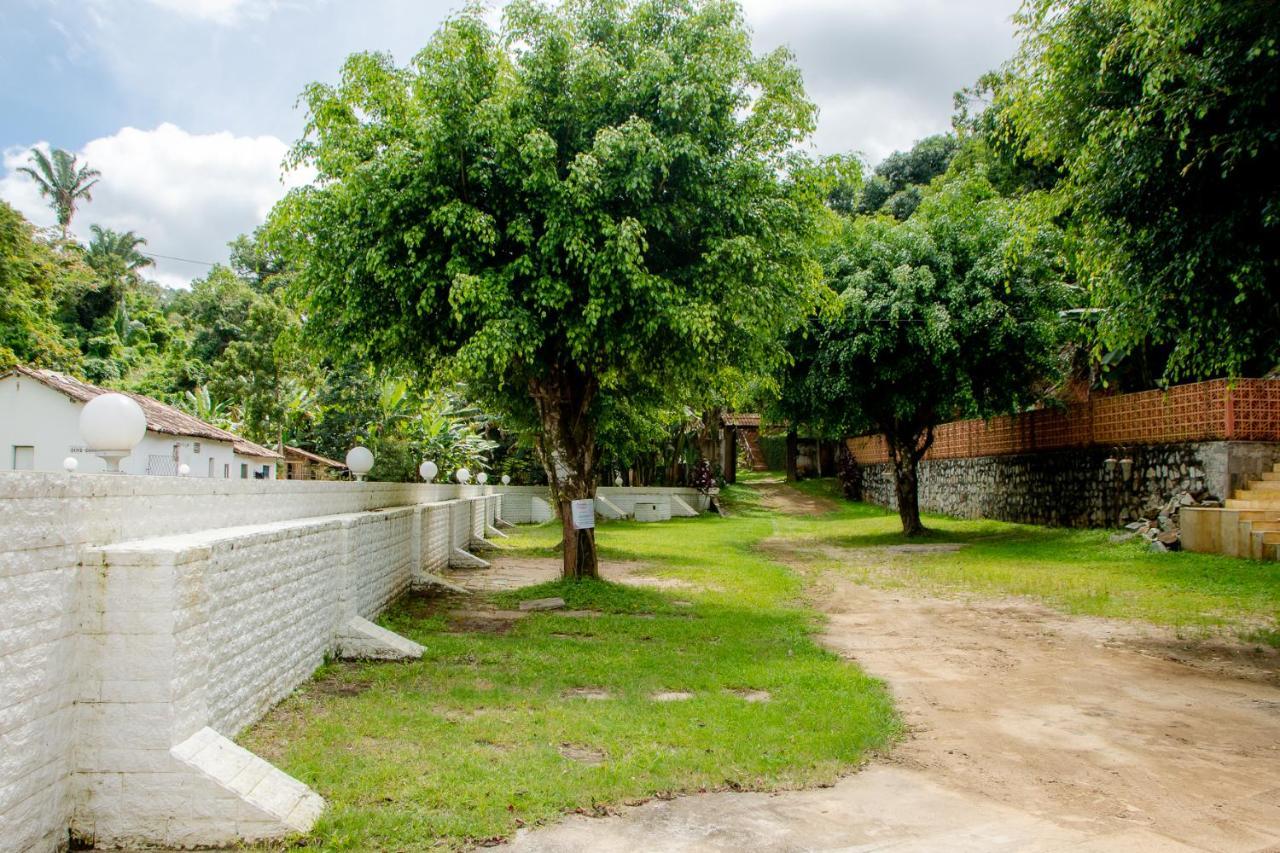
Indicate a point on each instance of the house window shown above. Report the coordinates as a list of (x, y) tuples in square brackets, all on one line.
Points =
[(226, 471), (24, 457), (244, 470), (210, 467), (195, 447)]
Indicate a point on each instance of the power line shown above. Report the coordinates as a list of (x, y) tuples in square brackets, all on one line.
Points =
[(183, 260)]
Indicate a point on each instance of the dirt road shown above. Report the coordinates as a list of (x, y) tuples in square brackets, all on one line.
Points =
[(1030, 731)]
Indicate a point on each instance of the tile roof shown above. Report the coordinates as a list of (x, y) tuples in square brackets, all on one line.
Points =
[(741, 420), (160, 416), (290, 450)]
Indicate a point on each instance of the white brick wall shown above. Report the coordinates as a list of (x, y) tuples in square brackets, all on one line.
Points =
[(435, 537), (105, 667)]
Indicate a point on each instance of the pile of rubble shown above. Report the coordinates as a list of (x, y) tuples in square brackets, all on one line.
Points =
[(1161, 529)]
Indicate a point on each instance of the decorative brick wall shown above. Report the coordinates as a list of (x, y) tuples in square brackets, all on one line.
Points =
[(1249, 410)]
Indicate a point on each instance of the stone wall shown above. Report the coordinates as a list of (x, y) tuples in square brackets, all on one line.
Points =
[(1076, 488)]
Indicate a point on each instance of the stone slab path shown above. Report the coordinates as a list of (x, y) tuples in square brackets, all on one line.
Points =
[(1030, 731)]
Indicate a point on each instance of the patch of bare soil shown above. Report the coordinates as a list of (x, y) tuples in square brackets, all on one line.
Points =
[(671, 696), (482, 621), (749, 695), (588, 755), (782, 498), (593, 693)]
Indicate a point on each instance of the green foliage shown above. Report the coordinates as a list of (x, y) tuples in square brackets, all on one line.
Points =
[(32, 279), (597, 202), (1162, 117), (895, 184)]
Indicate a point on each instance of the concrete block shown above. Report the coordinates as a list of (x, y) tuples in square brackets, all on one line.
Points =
[(359, 638)]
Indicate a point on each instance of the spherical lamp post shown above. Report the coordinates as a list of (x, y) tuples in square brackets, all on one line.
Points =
[(462, 475), (482, 478), (184, 470), (506, 479), (70, 464), (359, 462), (112, 425), (428, 470)]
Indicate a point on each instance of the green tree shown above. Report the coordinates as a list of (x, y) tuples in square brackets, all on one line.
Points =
[(600, 200), (116, 254), (33, 278), (949, 314), (894, 186), (1164, 118), (61, 180)]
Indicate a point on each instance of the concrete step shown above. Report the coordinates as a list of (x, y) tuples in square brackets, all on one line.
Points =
[(1249, 499), (1271, 476), (1265, 485), (1263, 544), (1267, 526)]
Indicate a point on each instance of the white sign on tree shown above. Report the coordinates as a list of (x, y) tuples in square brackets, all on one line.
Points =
[(584, 514)]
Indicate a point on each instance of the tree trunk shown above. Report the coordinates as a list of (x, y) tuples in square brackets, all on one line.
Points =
[(907, 486), (906, 448), (793, 450), (569, 447)]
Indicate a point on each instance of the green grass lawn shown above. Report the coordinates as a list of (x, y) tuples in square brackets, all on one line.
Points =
[(489, 731), (1077, 571)]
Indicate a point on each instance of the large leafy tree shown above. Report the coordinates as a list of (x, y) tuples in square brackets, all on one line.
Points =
[(62, 181), (596, 202), (1163, 117), (949, 314)]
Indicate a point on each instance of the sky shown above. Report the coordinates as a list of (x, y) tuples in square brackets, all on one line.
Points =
[(188, 107)]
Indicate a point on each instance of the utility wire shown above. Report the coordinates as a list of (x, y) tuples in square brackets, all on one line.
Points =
[(183, 260)]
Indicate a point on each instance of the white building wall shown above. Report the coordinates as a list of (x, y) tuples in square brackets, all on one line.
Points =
[(34, 415)]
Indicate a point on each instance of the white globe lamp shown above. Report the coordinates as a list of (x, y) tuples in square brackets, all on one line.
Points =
[(359, 461), (506, 479), (184, 470), (112, 425), (428, 470), (462, 475), (482, 478), (70, 464)]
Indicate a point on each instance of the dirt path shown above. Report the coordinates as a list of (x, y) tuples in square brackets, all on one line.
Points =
[(782, 498), (1031, 731)]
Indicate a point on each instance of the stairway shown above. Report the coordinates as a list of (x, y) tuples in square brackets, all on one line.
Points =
[(1248, 525), (751, 448)]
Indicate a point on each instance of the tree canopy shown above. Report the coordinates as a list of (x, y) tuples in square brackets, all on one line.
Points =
[(599, 200), (1163, 117)]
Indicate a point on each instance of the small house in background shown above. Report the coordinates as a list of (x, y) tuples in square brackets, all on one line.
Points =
[(40, 427), (742, 438), (302, 464)]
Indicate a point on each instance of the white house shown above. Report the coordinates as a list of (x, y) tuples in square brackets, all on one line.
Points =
[(40, 427)]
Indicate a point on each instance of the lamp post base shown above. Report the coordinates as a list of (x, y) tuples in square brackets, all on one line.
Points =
[(111, 458)]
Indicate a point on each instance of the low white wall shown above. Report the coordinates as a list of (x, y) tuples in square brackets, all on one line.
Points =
[(143, 610), (532, 504)]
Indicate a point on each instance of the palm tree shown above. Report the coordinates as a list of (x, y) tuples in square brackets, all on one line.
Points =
[(115, 257), (115, 253), (61, 182)]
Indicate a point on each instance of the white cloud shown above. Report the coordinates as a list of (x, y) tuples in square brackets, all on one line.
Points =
[(224, 12), (187, 194)]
